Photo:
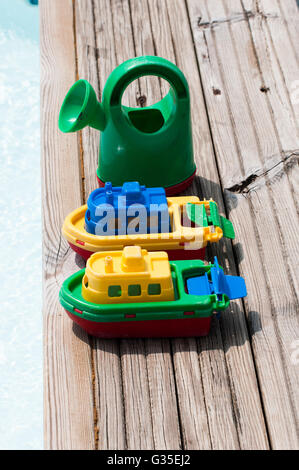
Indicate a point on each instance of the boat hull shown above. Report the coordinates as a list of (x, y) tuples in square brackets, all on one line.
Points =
[(170, 328), (172, 254), (185, 315)]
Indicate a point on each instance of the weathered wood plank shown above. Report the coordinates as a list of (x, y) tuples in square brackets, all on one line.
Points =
[(144, 42), (109, 400), (110, 424), (68, 397), (233, 407), (193, 413), (283, 174), (159, 361), (285, 114), (142, 394), (163, 405), (192, 404), (87, 55), (247, 140), (137, 397)]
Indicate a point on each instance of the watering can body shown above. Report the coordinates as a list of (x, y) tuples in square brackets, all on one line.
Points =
[(152, 145)]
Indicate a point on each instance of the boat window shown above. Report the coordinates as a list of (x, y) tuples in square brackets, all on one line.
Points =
[(85, 280), (154, 289), (134, 289), (114, 291)]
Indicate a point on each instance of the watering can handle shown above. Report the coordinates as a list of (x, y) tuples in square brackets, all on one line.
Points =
[(132, 69)]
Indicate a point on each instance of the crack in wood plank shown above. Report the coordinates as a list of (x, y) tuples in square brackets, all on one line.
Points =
[(282, 167), (242, 16)]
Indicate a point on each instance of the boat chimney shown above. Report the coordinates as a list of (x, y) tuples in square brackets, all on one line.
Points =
[(108, 264), (133, 259)]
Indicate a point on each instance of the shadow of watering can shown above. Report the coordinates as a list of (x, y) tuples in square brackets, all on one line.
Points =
[(152, 145)]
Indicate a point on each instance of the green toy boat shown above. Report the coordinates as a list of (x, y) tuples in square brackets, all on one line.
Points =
[(136, 293)]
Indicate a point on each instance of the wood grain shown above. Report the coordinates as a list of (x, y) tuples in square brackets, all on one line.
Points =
[(240, 423), (109, 419), (238, 387), (247, 140), (67, 355), (129, 384)]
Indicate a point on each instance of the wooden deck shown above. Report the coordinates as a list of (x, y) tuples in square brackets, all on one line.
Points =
[(238, 388)]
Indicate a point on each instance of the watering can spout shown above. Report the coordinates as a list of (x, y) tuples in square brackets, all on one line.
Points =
[(81, 108)]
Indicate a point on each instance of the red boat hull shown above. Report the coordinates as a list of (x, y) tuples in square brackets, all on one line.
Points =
[(171, 190), (176, 328), (172, 254)]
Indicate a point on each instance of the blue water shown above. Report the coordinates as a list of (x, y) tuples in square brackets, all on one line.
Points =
[(20, 236)]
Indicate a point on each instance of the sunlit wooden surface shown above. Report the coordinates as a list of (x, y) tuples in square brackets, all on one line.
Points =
[(238, 387)]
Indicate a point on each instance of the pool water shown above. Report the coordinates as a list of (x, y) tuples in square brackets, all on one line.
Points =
[(20, 236)]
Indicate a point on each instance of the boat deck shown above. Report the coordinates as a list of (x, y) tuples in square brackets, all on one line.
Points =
[(237, 388)]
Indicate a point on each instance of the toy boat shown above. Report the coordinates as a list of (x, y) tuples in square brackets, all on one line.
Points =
[(190, 223), (136, 293)]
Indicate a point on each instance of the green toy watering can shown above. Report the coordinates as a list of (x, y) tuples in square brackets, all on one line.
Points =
[(151, 145)]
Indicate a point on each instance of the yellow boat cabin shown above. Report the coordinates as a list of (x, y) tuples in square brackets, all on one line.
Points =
[(130, 275)]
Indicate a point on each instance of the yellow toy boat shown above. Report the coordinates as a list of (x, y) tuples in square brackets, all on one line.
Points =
[(193, 223)]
